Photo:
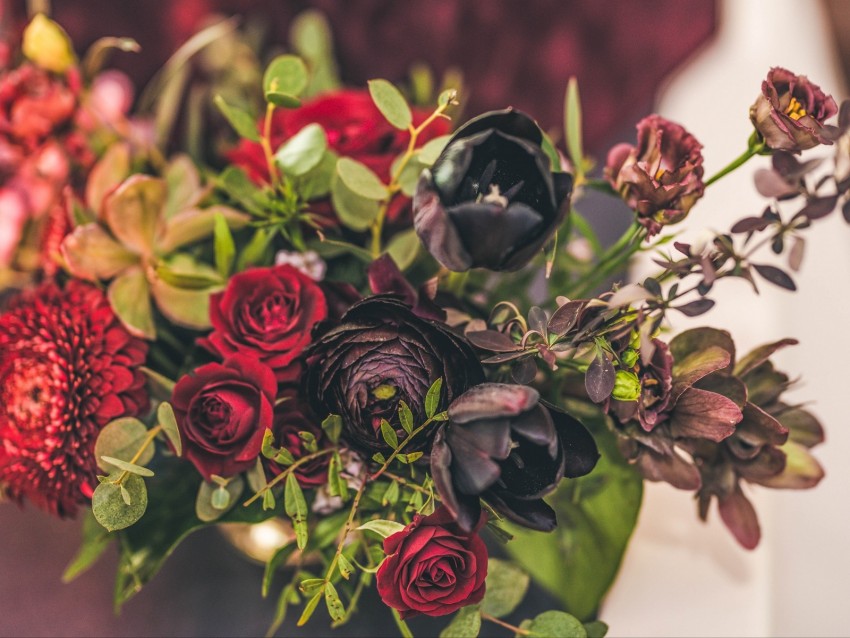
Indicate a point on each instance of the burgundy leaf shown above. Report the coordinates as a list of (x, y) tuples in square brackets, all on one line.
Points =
[(771, 184), (683, 248), (845, 210), (756, 357), (565, 317), (749, 224), (505, 357), (696, 308), (778, 244), (537, 319), (599, 379), (524, 371), (775, 276), (739, 516), (492, 340), (819, 207), (652, 286), (795, 256)]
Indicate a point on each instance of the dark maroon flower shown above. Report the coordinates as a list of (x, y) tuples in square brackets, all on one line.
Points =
[(268, 313), (491, 199), (501, 444), (661, 177), (791, 111), (656, 389), (223, 411), (433, 567), (290, 419), (67, 368), (382, 353)]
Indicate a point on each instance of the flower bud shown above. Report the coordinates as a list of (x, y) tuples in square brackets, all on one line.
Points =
[(47, 45), (626, 386)]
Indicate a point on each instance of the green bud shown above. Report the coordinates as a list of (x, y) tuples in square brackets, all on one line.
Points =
[(629, 357), (626, 386)]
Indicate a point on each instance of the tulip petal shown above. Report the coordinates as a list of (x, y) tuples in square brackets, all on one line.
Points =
[(580, 451), (434, 228), (492, 400), (704, 415), (534, 514)]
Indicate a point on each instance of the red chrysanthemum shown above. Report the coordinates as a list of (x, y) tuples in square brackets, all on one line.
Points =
[(67, 368)]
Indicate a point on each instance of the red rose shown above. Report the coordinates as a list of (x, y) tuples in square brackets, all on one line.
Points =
[(223, 411), (269, 314), (355, 129), (290, 418), (433, 567)]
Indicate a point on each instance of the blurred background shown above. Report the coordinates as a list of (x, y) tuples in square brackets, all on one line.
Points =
[(699, 62)]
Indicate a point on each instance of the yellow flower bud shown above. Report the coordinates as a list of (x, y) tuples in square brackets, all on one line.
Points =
[(47, 45)]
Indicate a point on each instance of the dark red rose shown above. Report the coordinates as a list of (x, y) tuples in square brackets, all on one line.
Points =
[(433, 567), (791, 111), (67, 368), (223, 411), (355, 129), (267, 313), (290, 418), (661, 177)]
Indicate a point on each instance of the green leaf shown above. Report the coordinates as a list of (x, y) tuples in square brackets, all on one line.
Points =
[(506, 587), (391, 104), (334, 604), (132, 468), (409, 176), (404, 247), (316, 183), (278, 558), (165, 417), (382, 528), (241, 121), (256, 253), (354, 211), (129, 296), (269, 501), (224, 246), (303, 151), (360, 179), (596, 629), (388, 433), (256, 477), (122, 439), (109, 508), (311, 36), (572, 126), (378, 458), (432, 398), (209, 507), (465, 624), (296, 508), (345, 567), (548, 147), (286, 76), (554, 624), (429, 152), (391, 495), (309, 608), (332, 425), (283, 100), (449, 96), (288, 596), (597, 513), (330, 248), (337, 484), (405, 416), (95, 541), (414, 456)]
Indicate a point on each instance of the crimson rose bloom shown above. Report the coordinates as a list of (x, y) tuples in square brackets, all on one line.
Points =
[(223, 411), (661, 177), (355, 129), (433, 567), (290, 418), (791, 111), (268, 313), (67, 368)]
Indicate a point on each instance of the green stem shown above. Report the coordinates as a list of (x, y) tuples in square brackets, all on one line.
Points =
[(398, 450), (612, 260), (148, 440), (282, 476), (754, 149), (456, 282), (502, 623), (348, 523)]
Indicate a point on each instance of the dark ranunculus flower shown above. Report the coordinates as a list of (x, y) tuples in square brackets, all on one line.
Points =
[(503, 445), (491, 199), (661, 177), (791, 111), (291, 418), (379, 354)]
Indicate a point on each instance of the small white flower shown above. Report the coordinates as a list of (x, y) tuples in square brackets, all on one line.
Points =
[(307, 262)]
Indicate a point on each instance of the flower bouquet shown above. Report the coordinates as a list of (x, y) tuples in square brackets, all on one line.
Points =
[(382, 333)]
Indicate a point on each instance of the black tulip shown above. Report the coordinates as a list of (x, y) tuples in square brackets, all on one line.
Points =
[(491, 199)]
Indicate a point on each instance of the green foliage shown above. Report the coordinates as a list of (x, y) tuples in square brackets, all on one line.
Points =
[(301, 153), (391, 104), (573, 128), (432, 398), (382, 528), (360, 179), (224, 247), (554, 624), (506, 587), (404, 247), (310, 35), (596, 629), (388, 434), (405, 416), (355, 211), (332, 425), (95, 541), (334, 604), (296, 508), (285, 79), (132, 468), (277, 560), (429, 152), (214, 499), (465, 624), (166, 418), (241, 121), (597, 513), (118, 506), (121, 439)]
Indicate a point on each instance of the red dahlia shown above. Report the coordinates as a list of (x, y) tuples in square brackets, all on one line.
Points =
[(67, 368)]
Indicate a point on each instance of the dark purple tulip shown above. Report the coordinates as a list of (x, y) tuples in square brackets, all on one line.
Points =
[(791, 111), (503, 445), (379, 354), (491, 199)]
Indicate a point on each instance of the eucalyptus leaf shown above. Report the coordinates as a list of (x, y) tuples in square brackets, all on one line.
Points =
[(303, 151), (207, 509), (391, 104), (382, 528), (404, 247), (361, 179), (432, 149), (285, 75), (354, 211), (95, 541), (109, 507), (122, 439), (506, 587), (465, 624), (126, 466), (165, 417)]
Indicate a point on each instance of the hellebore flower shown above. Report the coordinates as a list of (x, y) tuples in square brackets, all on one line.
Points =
[(382, 353), (503, 445), (791, 111), (661, 177), (491, 199)]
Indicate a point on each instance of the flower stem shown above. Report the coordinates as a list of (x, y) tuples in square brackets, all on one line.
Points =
[(755, 148), (265, 142), (282, 476), (348, 523), (612, 260), (148, 440), (506, 625), (398, 450)]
